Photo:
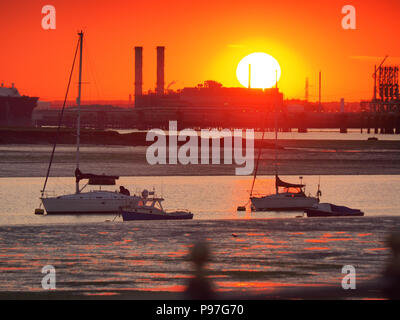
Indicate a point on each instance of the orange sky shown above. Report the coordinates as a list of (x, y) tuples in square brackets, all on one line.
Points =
[(204, 40)]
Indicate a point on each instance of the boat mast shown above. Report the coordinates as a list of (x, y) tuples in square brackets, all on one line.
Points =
[(60, 120), (276, 132), (262, 139), (78, 102)]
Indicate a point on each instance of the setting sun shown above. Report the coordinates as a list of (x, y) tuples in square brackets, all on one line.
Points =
[(264, 70)]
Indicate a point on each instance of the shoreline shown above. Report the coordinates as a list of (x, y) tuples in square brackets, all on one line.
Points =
[(125, 155), (92, 137), (307, 158)]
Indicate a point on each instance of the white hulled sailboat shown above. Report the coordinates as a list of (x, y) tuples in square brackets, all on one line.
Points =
[(292, 197), (288, 196), (91, 202)]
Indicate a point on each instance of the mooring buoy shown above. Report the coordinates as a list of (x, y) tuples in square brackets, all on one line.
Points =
[(39, 211)]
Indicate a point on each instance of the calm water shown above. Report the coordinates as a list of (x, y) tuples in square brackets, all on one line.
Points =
[(209, 198), (271, 250), (106, 258)]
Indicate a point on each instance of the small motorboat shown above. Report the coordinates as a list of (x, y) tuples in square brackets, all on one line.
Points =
[(331, 210), (150, 208)]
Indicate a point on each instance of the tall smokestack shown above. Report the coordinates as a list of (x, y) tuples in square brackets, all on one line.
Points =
[(319, 93), (160, 70), (307, 86), (138, 71), (342, 105)]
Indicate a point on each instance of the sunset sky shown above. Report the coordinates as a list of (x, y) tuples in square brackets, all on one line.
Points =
[(203, 39)]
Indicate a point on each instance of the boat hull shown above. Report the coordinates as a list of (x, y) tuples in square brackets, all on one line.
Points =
[(91, 203), (134, 216), (282, 203), (317, 213)]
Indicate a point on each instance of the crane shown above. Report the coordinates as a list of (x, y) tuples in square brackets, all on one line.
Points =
[(374, 74)]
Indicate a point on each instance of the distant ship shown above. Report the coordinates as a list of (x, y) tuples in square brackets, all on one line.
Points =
[(15, 110)]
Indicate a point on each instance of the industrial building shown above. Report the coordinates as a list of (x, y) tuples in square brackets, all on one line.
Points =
[(206, 105), (210, 105), (382, 113)]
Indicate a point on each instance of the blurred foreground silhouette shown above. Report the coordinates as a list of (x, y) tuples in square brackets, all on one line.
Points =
[(200, 287), (387, 286)]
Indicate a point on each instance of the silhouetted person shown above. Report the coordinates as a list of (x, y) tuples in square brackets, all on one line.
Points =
[(124, 191), (200, 287)]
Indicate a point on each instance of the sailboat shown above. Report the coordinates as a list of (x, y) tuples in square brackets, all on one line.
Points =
[(288, 196), (91, 202)]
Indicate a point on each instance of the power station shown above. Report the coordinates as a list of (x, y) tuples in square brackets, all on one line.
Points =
[(211, 105), (207, 105)]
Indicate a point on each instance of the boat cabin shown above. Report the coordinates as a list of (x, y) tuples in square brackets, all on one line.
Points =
[(290, 188)]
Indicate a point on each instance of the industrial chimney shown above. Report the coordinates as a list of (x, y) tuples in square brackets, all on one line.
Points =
[(160, 70), (138, 71)]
